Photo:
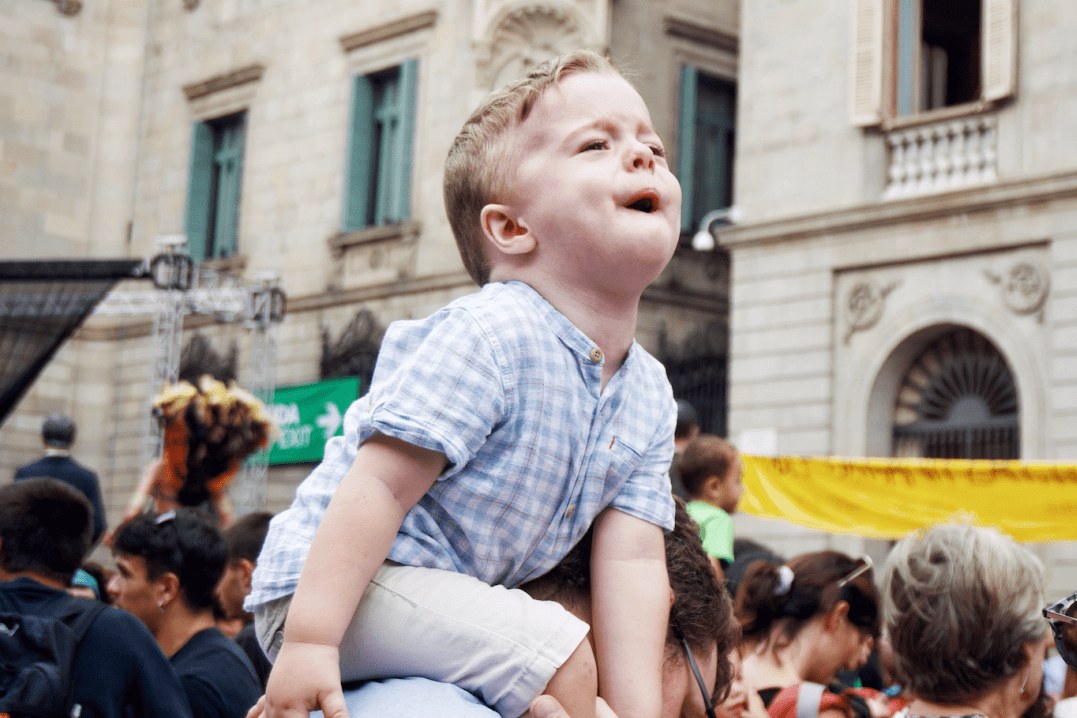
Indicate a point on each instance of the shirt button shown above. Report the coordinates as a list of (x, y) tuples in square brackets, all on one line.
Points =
[(570, 511), (596, 355)]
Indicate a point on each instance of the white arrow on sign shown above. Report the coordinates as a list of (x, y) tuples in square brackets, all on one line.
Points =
[(330, 420)]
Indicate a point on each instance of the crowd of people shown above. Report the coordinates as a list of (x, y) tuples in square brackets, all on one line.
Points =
[(495, 532)]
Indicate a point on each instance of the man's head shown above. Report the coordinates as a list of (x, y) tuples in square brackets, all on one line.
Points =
[(711, 471), (550, 164), (244, 538), (701, 612), (58, 432), (179, 555), (45, 529)]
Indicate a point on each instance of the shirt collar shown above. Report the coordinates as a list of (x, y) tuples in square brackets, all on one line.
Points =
[(566, 331), (53, 451)]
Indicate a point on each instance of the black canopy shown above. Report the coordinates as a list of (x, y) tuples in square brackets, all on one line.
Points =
[(41, 304)]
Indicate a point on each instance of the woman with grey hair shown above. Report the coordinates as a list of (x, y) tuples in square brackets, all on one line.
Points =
[(961, 606)]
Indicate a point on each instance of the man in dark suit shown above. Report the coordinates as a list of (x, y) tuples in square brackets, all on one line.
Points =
[(58, 434)]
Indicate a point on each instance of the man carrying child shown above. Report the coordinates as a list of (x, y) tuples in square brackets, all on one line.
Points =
[(498, 430)]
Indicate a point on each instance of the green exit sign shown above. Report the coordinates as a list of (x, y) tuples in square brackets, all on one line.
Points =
[(308, 416)]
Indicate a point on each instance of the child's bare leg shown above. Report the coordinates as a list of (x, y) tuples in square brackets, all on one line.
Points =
[(575, 684)]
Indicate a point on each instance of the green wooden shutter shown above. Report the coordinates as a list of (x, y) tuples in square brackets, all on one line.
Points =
[(713, 153), (228, 161), (199, 188), (358, 173), (401, 208), (687, 145)]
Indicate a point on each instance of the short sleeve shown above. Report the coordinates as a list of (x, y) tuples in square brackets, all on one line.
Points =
[(443, 391), (647, 494)]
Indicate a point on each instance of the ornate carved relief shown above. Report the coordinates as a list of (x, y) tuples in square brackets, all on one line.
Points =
[(1024, 289), (355, 351), (199, 357), (525, 37), (864, 305)]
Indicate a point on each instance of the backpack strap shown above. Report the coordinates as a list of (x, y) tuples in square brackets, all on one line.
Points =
[(808, 697), (84, 618)]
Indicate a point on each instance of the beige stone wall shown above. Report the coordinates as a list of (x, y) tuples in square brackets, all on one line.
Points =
[(816, 224), (798, 151), (68, 125)]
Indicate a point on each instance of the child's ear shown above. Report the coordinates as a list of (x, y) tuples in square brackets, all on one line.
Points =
[(502, 227), (712, 487)]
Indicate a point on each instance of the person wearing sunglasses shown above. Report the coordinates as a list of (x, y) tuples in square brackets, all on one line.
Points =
[(961, 605), (804, 621), (696, 676)]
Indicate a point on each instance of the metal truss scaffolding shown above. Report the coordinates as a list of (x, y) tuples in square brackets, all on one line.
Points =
[(182, 289)]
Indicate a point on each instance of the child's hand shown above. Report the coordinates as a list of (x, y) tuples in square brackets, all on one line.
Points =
[(305, 677)]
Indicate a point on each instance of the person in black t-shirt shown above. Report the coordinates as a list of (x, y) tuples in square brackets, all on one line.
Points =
[(168, 568), (244, 538), (119, 670)]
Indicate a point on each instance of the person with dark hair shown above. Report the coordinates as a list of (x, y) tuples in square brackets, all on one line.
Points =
[(58, 435), (244, 538), (118, 669), (804, 621), (686, 429), (711, 472), (168, 568), (701, 632)]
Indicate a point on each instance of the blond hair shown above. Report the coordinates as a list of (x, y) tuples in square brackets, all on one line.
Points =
[(479, 167)]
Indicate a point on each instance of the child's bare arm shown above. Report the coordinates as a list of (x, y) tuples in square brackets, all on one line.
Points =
[(387, 478), (631, 601)]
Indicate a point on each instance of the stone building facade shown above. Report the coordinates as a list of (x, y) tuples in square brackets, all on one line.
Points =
[(904, 275), (304, 139)]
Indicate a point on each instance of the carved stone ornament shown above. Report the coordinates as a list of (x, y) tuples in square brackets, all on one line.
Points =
[(864, 305), (1024, 289), (68, 8), (527, 37)]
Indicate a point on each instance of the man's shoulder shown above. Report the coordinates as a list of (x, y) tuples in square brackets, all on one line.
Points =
[(210, 653)]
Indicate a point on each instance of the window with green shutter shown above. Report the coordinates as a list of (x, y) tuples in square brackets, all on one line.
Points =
[(213, 187), (378, 172), (708, 114)]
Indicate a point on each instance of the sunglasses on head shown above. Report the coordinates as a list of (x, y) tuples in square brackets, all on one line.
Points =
[(1064, 627)]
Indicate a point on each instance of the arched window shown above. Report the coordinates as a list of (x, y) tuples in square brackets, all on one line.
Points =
[(957, 401)]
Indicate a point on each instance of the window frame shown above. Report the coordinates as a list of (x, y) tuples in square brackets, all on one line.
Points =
[(206, 215), (686, 149), (378, 180), (874, 49)]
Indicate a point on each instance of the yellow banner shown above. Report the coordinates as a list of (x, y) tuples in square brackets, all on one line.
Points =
[(887, 498)]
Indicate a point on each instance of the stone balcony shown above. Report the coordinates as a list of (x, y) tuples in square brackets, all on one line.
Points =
[(941, 156)]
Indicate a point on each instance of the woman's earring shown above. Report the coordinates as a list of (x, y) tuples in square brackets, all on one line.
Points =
[(1025, 695)]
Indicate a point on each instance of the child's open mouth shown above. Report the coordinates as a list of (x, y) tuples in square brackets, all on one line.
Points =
[(646, 202)]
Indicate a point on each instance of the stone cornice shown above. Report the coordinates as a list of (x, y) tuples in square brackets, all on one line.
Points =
[(883, 214), (389, 30), (250, 73), (693, 31), (399, 231)]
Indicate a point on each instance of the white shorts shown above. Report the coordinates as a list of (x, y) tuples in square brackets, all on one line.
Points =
[(497, 643)]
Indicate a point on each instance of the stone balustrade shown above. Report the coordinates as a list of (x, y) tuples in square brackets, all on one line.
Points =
[(942, 156)]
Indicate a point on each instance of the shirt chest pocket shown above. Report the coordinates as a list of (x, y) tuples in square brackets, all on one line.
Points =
[(607, 470)]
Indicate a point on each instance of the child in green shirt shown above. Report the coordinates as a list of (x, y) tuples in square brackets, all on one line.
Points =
[(711, 471)]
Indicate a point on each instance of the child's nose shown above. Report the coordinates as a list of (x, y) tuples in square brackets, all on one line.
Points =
[(642, 156)]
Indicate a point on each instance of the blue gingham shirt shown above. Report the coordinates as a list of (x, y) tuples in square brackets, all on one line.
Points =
[(508, 390)]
